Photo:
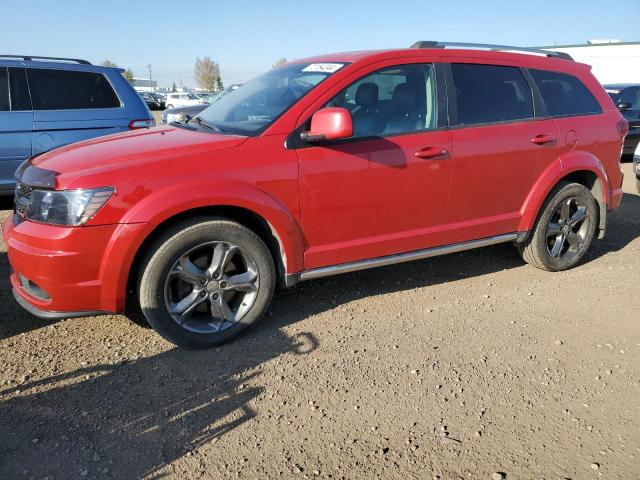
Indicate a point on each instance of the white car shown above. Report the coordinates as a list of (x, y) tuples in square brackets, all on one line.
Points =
[(183, 100), (207, 97)]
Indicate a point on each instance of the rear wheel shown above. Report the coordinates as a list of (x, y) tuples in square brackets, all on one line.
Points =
[(564, 230), (205, 281)]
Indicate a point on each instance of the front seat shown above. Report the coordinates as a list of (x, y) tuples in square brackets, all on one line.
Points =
[(405, 111), (366, 118)]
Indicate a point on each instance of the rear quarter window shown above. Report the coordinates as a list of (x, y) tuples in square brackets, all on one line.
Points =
[(564, 95), (70, 90)]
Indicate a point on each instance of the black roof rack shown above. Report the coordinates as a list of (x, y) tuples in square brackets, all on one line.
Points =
[(28, 58), (539, 51)]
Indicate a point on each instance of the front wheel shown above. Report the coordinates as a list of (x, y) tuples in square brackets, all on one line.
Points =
[(205, 281), (564, 230)]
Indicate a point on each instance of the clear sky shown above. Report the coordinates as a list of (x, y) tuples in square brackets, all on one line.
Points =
[(246, 37)]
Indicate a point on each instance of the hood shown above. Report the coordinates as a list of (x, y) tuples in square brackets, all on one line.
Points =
[(127, 149)]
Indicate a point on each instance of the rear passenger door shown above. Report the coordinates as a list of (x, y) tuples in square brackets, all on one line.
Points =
[(70, 106), (499, 148), (16, 123)]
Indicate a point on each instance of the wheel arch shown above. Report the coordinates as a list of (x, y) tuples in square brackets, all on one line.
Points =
[(250, 206), (577, 167), (243, 216)]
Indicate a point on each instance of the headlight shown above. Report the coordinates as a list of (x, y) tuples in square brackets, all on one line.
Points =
[(66, 207)]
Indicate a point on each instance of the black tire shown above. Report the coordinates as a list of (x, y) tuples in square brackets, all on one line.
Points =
[(537, 250), (172, 246), (169, 106)]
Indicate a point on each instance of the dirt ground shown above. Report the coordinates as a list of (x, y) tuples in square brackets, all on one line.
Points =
[(457, 367)]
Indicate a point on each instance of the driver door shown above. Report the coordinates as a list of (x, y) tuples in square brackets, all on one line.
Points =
[(384, 190)]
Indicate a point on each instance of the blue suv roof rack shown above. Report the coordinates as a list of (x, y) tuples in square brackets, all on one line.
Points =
[(28, 58), (486, 46)]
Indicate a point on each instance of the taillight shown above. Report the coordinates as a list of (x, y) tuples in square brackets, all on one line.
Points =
[(623, 128), (146, 123)]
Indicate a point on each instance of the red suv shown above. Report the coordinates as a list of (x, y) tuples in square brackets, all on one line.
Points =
[(325, 165)]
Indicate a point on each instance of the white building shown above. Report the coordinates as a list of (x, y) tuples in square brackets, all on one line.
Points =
[(612, 61), (145, 85)]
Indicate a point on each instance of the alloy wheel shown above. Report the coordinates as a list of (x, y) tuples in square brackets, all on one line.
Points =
[(211, 287), (568, 229)]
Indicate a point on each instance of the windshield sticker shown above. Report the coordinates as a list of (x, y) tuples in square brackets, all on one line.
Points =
[(323, 67)]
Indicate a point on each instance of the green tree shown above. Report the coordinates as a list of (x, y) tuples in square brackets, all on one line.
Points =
[(219, 84), (128, 74), (174, 88), (108, 63), (280, 62), (206, 73)]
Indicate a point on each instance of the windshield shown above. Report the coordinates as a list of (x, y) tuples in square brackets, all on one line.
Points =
[(250, 109)]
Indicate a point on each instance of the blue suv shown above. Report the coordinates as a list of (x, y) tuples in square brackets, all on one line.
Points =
[(48, 102)]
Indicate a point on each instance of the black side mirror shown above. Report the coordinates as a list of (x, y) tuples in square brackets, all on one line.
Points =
[(624, 106)]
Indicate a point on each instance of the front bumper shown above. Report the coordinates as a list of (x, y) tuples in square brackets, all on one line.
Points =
[(61, 272), (50, 315)]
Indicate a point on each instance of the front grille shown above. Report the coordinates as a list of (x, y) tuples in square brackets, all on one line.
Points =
[(21, 201)]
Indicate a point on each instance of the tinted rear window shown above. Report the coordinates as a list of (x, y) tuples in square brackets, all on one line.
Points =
[(4, 89), (564, 94), (69, 90), (491, 93)]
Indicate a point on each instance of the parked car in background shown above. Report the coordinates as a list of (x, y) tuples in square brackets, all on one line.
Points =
[(183, 100), (323, 166), (181, 114), (184, 114), (207, 97), (160, 98), (49, 102), (636, 166), (152, 101), (626, 96)]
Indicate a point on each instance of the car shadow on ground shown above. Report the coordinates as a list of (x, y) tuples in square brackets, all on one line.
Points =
[(623, 226), (133, 418)]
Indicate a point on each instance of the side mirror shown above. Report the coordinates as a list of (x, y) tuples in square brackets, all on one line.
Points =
[(624, 106), (331, 123)]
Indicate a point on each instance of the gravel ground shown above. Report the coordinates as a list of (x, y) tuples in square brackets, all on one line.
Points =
[(473, 365)]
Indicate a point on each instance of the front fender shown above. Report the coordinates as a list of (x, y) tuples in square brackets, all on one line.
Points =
[(564, 165), (168, 202)]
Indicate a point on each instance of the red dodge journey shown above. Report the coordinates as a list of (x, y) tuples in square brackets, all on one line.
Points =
[(325, 165)]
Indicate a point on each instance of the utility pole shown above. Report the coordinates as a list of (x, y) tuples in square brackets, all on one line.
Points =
[(150, 79)]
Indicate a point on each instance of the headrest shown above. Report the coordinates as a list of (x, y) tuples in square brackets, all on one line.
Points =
[(404, 97), (367, 94)]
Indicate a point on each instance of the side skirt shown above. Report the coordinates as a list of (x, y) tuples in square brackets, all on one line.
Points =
[(293, 278)]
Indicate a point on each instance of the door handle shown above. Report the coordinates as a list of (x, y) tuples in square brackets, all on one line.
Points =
[(543, 139), (429, 153)]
